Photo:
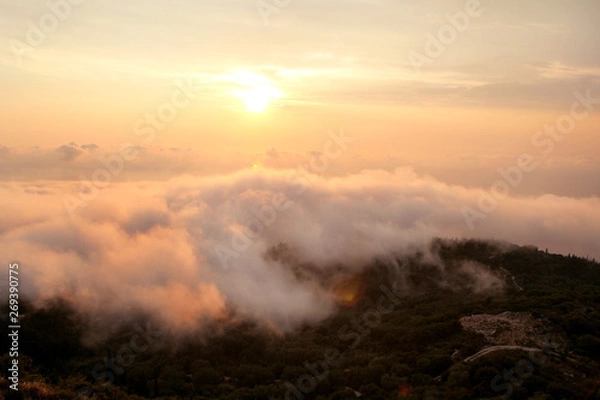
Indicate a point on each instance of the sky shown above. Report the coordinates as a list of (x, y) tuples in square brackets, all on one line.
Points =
[(161, 127), (511, 69)]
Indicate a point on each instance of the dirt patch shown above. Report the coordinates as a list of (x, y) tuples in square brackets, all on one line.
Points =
[(511, 329)]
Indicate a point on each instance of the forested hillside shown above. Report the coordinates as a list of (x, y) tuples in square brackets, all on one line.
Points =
[(403, 329)]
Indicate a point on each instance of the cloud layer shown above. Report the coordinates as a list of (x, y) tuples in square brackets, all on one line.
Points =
[(570, 175), (195, 248)]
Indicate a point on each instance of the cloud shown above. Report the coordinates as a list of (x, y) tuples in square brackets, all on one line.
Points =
[(480, 278), (154, 246), (69, 151), (560, 174), (89, 147), (143, 221)]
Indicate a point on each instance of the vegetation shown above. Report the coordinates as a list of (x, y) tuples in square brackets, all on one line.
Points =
[(410, 350)]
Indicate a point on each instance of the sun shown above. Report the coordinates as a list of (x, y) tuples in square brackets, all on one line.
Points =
[(258, 98), (257, 92)]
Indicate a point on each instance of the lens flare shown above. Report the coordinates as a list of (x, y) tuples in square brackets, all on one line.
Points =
[(349, 291)]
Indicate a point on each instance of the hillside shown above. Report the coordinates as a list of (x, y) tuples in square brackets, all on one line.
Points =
[(469, 320)]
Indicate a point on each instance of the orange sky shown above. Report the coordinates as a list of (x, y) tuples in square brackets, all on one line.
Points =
[(454, 89)]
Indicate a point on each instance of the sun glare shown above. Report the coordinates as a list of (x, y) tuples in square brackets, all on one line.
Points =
[(257, 93)]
